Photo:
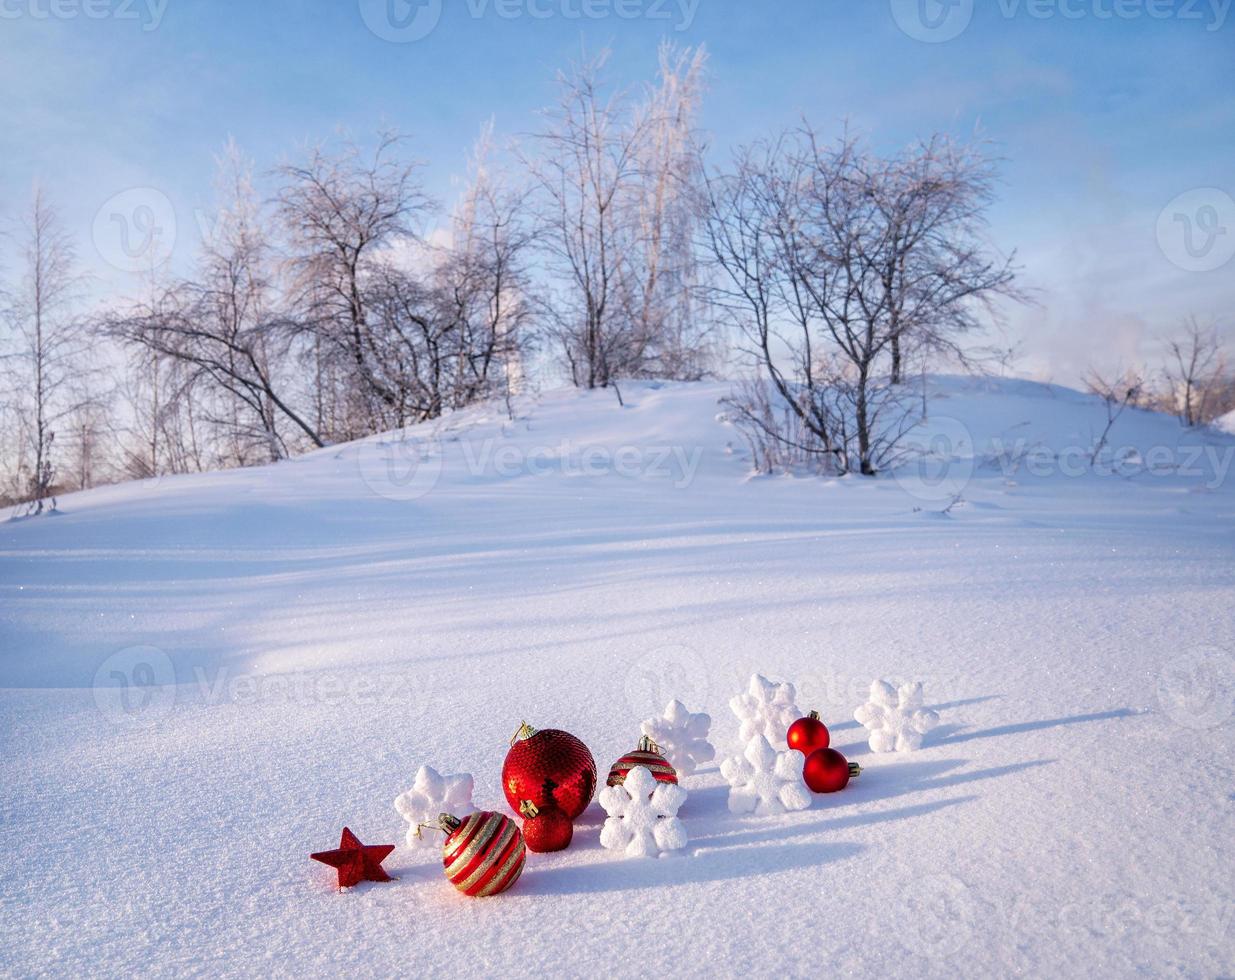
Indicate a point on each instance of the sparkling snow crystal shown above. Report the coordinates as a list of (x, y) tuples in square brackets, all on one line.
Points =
[(766, 709), (764, 781), (643, 818), (432, 794), (896, 718), (682, 737)]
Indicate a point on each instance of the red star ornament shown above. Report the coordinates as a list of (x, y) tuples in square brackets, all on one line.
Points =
[(355, 861)]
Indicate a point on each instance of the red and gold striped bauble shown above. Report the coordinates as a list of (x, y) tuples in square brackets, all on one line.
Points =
[(483, 853), (646, 755)]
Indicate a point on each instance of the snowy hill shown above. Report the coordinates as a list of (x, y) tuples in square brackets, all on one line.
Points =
[(205, 677)]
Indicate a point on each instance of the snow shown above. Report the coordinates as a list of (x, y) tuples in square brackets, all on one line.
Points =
[(334, 622)]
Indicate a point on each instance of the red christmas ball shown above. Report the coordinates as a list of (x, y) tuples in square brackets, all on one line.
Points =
[(551, 768), (646, 755), (545, 830), (807, 734), (826, 771), (483, 854)]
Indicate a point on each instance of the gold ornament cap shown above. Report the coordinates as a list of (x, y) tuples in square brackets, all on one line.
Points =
[(529, 809), (525, 731), (448, 822), (647, 745)]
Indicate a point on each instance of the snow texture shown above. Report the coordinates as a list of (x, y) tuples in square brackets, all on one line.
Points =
[(895, 717), (315, 634), (643, 815), (767, 708), (433, 794), (765, 782), (682, 736)]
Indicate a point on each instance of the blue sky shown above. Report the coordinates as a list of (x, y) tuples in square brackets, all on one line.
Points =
[(1104, 110)]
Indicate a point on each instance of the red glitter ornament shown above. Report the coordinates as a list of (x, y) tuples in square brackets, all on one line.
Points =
[(356, 862), (545, 830), (807, 734), (483, 854), (646, 755), (826, 771), (551, 768)]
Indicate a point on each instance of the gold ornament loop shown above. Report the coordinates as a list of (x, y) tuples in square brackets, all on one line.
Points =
[(529, 809)]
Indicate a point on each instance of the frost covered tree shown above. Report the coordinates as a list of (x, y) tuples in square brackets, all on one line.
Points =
[(45, 369), (225, 330), (340, 209), (835, 263), (663, 301), (616, 182)]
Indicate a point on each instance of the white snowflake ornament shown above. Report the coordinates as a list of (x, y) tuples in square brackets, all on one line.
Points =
[(433, 794), (895, 717), (767, 708), (682, 736), (643, 815), (765, 782)]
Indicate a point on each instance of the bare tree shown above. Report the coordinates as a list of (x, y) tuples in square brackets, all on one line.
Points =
[(449, 323), (835, 259), (225, 330), (1117, 393), (587, 168), (340, 210), (1194, 371), (47, 366)]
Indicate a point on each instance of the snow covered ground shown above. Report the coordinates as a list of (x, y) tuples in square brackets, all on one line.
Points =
[(204, 678)]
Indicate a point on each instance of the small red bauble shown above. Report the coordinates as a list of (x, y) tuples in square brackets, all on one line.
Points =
[(550, 768), (807, 734), (545, 830), (483, 854), (646, 755), (826, 771)]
